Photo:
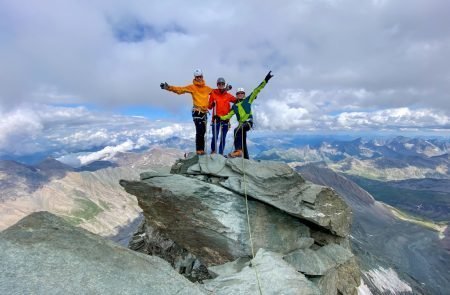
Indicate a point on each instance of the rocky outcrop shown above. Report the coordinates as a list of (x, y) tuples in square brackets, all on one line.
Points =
[(393, 254), (196, 218), (43, 254), (275, 276)]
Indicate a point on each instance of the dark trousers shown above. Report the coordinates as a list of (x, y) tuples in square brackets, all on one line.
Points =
[(200, 129), (219, 127), (240, 137)]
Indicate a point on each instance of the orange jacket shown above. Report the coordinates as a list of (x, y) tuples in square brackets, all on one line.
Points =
[(222, 100), (199, 92)]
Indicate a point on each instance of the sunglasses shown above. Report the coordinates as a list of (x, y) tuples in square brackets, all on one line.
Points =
[(201, 77), (221, 83), (237, 93)]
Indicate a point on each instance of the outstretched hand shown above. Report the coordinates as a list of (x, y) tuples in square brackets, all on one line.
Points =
[(268, 76), (164, 85)]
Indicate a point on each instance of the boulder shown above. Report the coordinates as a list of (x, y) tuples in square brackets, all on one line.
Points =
[(268, 273), (276, 184), (318, 262), (43, 254), (211, 222)]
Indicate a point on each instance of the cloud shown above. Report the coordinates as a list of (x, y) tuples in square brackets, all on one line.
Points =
[(18, 129), (112, 53), (107, 153), (400, 118), (342, 109), (78, 136), (61, 130), (318, 110)]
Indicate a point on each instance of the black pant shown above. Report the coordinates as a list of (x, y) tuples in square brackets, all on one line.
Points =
[(240, 137), (219, 131), (200, 129)]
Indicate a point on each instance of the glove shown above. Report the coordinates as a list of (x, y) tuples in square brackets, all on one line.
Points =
[(229, 87), (164, 85), (213, 104), (268, 76)]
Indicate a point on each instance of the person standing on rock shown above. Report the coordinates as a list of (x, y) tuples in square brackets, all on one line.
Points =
[(243, 111), (219, 101), (200, 93)]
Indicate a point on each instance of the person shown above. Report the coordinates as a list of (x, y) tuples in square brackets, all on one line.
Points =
[(242, 109), (200, 94), (219, 101)]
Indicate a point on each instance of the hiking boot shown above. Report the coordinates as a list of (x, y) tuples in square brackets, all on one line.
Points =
[(213, 153), (200, 152), (235, 154)]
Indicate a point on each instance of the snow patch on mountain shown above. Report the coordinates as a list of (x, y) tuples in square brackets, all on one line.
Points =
[(387, 281), (363, 289)]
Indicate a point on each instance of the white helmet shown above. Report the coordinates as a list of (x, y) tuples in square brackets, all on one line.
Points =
[(240, 89), (198, 72)]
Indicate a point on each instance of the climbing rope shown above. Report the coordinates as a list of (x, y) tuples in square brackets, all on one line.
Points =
[(246, 202), (248, 215)]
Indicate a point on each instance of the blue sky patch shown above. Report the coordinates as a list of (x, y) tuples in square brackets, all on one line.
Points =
[(133, 31)]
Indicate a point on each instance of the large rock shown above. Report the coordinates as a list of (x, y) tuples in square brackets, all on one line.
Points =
[(276, 184), (210, 221), (43, 254), (196, 218), (268, 273), (318, 262)]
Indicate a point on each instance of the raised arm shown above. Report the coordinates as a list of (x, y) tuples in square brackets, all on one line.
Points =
[(180, 89), (256, 91)]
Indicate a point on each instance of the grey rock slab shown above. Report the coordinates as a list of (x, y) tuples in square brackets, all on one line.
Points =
[(318, 204), (154, 173), (274, 274), (43, 254), (213, 165), (318, 262), (230, 268), (327, 283), (277, 184), (211, 221)]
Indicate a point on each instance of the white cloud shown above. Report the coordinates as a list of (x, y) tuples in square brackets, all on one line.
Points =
[(338, 65), (106, 153), (72, 52), (41, 128), (394, 119), (18, 129), (309, 113), (62, 130)]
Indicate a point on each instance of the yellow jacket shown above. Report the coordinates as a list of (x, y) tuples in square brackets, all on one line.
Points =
[(199, 91)]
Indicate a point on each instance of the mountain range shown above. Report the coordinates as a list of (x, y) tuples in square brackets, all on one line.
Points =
[(89, 196), (391, 159), (383, 241), (403, 246)]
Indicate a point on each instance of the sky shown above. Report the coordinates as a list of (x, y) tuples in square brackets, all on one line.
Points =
[(85, 74)]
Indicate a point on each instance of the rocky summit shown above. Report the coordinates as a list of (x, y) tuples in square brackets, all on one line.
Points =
[(201, 215)]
